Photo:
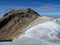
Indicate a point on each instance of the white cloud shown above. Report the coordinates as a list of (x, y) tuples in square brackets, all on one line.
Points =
[(49, 7)]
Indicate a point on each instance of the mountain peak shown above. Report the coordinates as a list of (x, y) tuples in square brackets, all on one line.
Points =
[(26, 10), (16, 21)]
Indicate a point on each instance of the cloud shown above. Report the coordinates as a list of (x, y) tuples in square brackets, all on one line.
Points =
[(49, 7)]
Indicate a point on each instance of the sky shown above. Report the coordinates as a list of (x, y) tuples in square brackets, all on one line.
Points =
[(43, 7)]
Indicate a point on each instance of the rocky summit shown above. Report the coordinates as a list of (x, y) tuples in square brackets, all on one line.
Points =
[(14, 22)]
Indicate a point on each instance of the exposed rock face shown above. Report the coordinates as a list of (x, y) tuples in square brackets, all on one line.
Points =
[(15, 21)]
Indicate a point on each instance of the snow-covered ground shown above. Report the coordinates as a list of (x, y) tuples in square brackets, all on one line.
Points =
[(47, 33), (6, 43)]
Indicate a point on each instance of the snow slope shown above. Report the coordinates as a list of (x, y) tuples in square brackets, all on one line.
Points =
[(47, 33)]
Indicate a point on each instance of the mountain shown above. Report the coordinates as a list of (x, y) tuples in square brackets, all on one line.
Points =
[(27, 27), (14, 22)]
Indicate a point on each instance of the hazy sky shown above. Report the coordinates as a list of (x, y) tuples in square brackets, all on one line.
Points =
[(43, 7)]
